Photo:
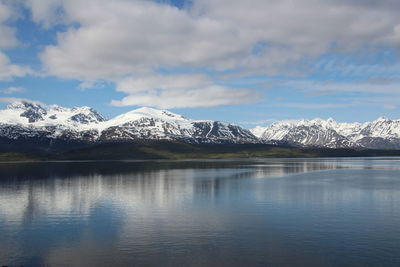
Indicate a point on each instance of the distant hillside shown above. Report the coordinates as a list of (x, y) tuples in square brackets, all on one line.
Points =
[(181, 150)]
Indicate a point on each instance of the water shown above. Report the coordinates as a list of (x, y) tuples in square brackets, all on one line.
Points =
[(275, 212)]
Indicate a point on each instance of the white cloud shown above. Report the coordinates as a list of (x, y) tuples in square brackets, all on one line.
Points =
[(163, 82), (127, 37), (320, 93), (188, 98), (9, 70), (112, 40), (376, 93), (45, 11), (316, 88), (316, 105), (8, 40), (12, 90), (7, 33), (389, 106), (91, 84), (17, 99), (180, 90)]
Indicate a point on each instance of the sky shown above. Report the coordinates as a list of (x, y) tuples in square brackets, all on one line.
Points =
[(247, 62)]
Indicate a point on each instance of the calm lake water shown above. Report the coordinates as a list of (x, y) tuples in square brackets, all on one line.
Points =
[(275, 212)]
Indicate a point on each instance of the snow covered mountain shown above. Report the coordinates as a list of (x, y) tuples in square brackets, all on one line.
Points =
[(382, 133), (30, 122), (23, 119)]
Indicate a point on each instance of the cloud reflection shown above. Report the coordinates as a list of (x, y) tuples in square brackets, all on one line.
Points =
[(85, 213)]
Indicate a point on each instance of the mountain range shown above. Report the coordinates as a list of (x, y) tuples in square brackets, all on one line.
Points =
[(382, 133), (34, 121), (26, 122)]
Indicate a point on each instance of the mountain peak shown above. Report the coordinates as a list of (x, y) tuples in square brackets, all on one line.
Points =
[(381, 119), (30, 110), (148, 110), (330, 120), (57, 108), (153, 112), (26, 113), (25, 104)]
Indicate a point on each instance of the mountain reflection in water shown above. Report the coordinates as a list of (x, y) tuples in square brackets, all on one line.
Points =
[(311, 212)]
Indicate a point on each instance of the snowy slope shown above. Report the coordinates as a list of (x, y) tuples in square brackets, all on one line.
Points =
[(27, 119), (149, 123), (34, 114), (381, 133)]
